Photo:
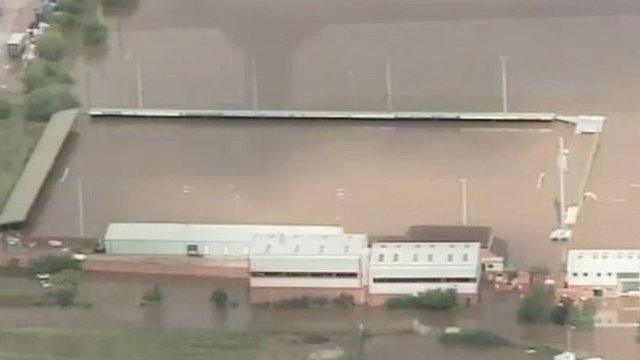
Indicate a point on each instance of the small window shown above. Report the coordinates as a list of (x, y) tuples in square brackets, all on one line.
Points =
[(380, 257), (346, 249), (605, 255), (430, 258), (585, 274), (596, 255), (415, 257), (465, 257), (321, 250), (575, 274), (630, 256), (268, 249), (609, 274), (396, 257), (598, 274), (449, 257), (297, 249)]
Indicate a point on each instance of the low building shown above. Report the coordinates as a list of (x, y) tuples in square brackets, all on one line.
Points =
[(202, 240), (295, 265), (428, 258), (603, 272)]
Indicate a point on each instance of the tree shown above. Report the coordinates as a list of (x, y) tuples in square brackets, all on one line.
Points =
[(536, 306), (51, 45), (64, 286), (219, 297), (5, 109), (95, 33), (52, 264), (152, 295), (42, 73), (582, 316), (44, 102)]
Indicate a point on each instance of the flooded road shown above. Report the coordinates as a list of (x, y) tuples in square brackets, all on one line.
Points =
[(116, 300)]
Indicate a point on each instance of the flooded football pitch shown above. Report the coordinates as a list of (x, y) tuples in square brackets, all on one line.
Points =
[(564, 56)]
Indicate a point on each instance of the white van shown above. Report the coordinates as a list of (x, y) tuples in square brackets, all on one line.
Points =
[(16, 45)]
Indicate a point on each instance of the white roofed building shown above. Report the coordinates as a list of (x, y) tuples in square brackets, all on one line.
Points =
[(293, 265), (604, 272), (204, 240), (430, 258)]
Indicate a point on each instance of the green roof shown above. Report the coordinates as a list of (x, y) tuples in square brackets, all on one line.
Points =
[(26, 190)]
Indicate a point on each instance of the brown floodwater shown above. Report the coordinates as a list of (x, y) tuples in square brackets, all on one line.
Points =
[(185, 306), (567, 56), (393, 175)]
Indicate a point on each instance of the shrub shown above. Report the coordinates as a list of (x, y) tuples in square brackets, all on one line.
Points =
[(42, 73), (41, 103), (50, 45), (430, 300), (51, 264), (5, 109), (152, 295), (476, 337), (95, 33), (219, 297), (536, 306)]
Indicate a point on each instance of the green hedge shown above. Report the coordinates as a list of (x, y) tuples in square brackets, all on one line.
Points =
[(430, 300), (476, 337)]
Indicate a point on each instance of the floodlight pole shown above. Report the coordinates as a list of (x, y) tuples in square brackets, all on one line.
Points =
[(503, 70), (463, 185)]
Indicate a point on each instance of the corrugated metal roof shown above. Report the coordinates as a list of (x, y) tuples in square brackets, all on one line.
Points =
[(35, 173), (208, 232)]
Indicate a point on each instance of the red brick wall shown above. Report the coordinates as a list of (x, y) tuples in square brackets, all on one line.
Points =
[(167, 267)]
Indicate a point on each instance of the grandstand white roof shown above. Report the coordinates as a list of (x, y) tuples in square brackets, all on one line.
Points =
[(208, 232)]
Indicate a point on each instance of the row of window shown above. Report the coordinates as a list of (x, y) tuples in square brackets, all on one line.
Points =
[(296, 249), (305, 274), (424, 280), (415, 257), (610, 254), (620, 275), (418, 246)]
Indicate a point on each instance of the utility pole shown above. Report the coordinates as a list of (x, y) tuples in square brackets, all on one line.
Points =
[(463, 185), (80, 208), (503, 70), (388, 84)]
